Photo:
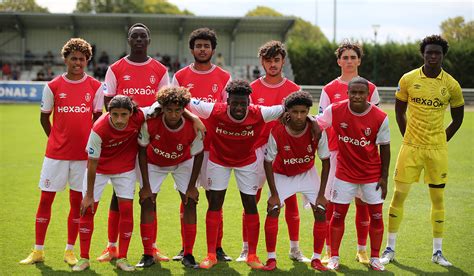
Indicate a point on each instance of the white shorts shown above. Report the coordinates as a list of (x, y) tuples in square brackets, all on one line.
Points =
[(124, 184), (181, 174), (202, 178), (331, 176), (307, 183), (260, 153), (344, 192), (245, 176), (55, 174)]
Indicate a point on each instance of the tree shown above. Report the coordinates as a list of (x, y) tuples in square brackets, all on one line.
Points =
[(21, 6), (263, 11), (128, 6), (455, 29)]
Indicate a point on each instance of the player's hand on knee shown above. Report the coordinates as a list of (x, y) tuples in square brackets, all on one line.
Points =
[(191, 193), (273, 204), (146, 193), (87, 202)]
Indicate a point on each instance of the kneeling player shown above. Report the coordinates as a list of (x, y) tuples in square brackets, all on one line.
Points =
[(291, 149), (170, 145), (359, 127)]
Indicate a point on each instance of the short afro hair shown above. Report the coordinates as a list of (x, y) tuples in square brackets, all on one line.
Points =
[(349, 45), (238, 87), (77, 44), (173, 95), (205, 34), (139, 25), (271, 49), (434, 39), (298, 98), (359, 80)]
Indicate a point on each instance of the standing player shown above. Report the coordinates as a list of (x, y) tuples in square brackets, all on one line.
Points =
[(235, 127), (170, 145), (73, 97), (427, 92), (349, 57), (359, 127), (289, 167), (112, 149), (207, 83), (268, 90), (139, 77)]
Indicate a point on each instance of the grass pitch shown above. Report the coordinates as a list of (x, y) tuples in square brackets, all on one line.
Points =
[(22, 146)]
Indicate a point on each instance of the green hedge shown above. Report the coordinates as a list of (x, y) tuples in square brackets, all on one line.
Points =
[(315, 63)]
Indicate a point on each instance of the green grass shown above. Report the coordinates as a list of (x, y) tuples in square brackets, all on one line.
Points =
[(22, 143)]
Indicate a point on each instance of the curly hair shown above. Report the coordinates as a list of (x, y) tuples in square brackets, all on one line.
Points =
[(349, 45), (271, 49), (173, 95), (77, 44), (434, 39), (205, 34), (121, 101), (359, 80), (238, 87), (298, 98), (140, 25)]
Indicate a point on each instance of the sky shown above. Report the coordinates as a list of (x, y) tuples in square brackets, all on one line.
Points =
[(398, 20)]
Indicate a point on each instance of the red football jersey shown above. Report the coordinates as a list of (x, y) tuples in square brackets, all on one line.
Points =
[(294, 154), (73, 103), (207, 86), (336, 91), (267, 94), (169, 147), (233, 141), (358, 135), (116, 149), (139, 81)]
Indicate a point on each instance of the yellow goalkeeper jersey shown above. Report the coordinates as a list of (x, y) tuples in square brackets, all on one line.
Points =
[(427, 100)]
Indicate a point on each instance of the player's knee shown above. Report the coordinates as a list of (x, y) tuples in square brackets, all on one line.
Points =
[(274, 213), (249, 202)]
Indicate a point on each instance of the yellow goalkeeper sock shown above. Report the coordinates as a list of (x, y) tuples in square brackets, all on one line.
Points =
[(437, 210), (395, 213)]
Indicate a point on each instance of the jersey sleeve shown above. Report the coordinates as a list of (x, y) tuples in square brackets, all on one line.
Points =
[(325, 119), (200, 108), (144, 136), (197, 146), (174, 81), (98, 102), (457, 99), (383, 136), (271, 149), (271, 113), (110, 83), (224, 92), (165, 80), (47, 100), (324, 101), (94, 145), (375, 98), (402, 90), (323, 146)]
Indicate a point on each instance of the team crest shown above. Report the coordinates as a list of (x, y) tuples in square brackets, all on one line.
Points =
[(344, 125), (367, 131), (287, 148), (443, 91), (214, 88), (209, 182), (88, 97), (309, 148), (157, 137), (47, 183), (62, 95), (179, 147), (152, 79)]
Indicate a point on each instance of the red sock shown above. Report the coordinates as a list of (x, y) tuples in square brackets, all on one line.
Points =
[(126, 226), (220, 232), (292, 217), (376, 228), (213, 219), (113, 225), (362, 221), (43, 215), (86, 228), (155, 226), (329, 212), (319, 235), (337, 227), (244, 228), (189, 238), (75, 199), (253, 229), (181, 220), (271, 233), (146, 231)]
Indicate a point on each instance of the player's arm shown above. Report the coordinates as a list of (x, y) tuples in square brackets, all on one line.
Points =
[(143, 141), (110, 89), (400, 115), (88, 200), (198, 125), (192, 192), (45, 122), (98, 103), (270, 154), (457, 115), (385, 164), (47, 105), (324, 155)]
